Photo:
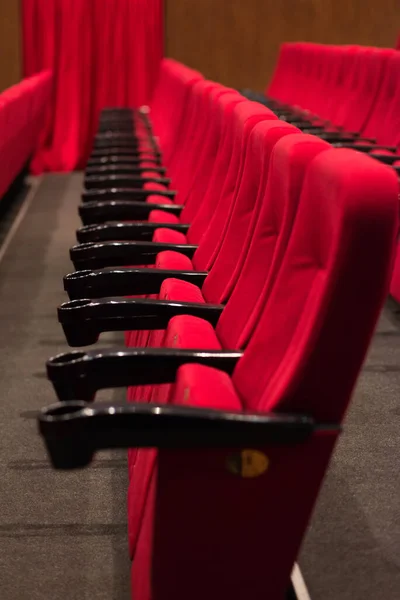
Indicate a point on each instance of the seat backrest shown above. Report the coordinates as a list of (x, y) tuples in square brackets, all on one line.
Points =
[(371, 64), (310, 342), (268, 237), (202, 145), (337, 71), (170, 103), (282, 78), (220, 147), (348, 81), (311, 94), (383, 123), (198, 115), (211, 216), (230, 254)]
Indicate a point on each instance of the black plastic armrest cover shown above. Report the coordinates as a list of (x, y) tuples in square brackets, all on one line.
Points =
[(124, 193), (141, 231), (117, 254), (84, 320), (124, 282), (365, 147), (387, 159), (101, 212), (121, 169), (129, 180), (79, 375), (74, 431), (115, 159)]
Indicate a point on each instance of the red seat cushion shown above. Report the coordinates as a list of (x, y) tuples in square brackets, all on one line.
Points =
[(151, 185), (198, 385), (174, 261), (180, 291), (169, 236), (185, 332), (161, 216)]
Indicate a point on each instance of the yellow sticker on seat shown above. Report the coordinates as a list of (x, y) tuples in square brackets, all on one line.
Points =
[(248, 463)]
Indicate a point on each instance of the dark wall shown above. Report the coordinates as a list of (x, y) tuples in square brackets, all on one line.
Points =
[(236, 41), (10, 43)]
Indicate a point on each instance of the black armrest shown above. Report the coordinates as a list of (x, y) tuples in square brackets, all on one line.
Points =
[(123, 142), (387, 159), (112, 142), (79, 375), (122, 210), (126, 180), (84, 320), (331, 136), (112, 159), (122, 193), (365, 147), (124, 282), (121, 151), (74, 431), (109, 141), (116, 135), (124, 231), (122, 169), (119, 254)]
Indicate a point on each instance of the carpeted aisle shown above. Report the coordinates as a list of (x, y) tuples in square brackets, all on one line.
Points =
[(62, 535), (352, 550)]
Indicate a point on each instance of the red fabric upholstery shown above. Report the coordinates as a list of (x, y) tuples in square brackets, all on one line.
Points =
[(180, 291), (160, 216), (289, 160), (328, 271), (22, 118), (395, 283), (175, 261), (269, 234), (169, 236), (304, 357)]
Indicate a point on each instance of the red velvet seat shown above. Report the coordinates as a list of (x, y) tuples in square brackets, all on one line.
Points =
[(303, 358), (268, 235), (332, 88), (235, 197), (22, 114)]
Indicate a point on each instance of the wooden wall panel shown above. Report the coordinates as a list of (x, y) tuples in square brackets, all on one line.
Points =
[(236, 41), (10, 43)]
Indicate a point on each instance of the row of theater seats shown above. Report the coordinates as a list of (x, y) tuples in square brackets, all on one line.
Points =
[(348, 95), (22, 113), (247, 263)]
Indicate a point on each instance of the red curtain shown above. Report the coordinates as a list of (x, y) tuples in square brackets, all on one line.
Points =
[(103, 53)]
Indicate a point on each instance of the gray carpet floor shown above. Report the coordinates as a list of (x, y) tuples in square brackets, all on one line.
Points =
[(63, 535), (352, 550)]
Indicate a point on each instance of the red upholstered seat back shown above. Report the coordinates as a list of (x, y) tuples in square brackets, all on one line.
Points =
[(280, 80), (208, 128), (238, 228), (189, 147), (169, 102), (312, 95), (371, 63), (211, 216), (309, 344), (268, 236), (222, 121), (384, 120), (347, 83)]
